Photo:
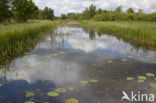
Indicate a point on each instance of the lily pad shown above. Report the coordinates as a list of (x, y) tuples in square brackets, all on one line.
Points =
[(150, 74), (154, 78), (71, 88), (72, 100), (48, 56), (153, 85), (124, 60), (129, 78), (3, 74), (0, 84), (29, 102), (29, 94), (84, 82), (60, 90), (44, 63), (93, 80), (62, 52), (52, 94), (110, 61), (142, 77), (130, 56), (140, 81), (12, 68), (28, 68)]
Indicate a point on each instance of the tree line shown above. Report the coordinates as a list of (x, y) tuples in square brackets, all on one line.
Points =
[(91, 13), (22, 10)]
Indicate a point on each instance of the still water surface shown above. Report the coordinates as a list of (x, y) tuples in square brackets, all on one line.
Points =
[(92, 68)]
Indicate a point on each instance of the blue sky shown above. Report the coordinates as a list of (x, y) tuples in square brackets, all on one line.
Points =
[(65, 6)]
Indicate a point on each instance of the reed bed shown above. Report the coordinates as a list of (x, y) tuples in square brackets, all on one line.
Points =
[(16, 39), (135, 32)]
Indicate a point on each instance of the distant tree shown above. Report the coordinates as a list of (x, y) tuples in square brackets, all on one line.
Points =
[(24, 9), (63, 16), (130, 10), (99, 11), (88, 13), (4, 9), (48, 13), (119, 9)]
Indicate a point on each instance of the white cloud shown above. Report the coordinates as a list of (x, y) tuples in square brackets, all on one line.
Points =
[(65, 6)]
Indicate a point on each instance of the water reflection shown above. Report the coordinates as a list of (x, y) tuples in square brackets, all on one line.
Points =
[(71, 55)]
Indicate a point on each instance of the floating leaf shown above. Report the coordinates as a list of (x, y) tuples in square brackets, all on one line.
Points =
[(130, 56), (12, 68), (0, 84), (3, 74), (110, 61), (44, 63), (153, 85), (150, 74), (71, 88), (93, 80), (34, 55), (84, 82), (29, 102), (52, 94), (48, 56), (129, 78), (142, 77), (62, 52), (28, 68), (72, 100), (140, 81), (124, 60), (60, 90), (29, 94), (154, 78)]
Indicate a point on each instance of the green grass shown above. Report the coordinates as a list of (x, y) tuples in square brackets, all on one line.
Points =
[(138, 33), (15, 39)]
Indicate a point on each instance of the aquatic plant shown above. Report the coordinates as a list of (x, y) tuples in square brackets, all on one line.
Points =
[(52, 94), (18, 38), (60, 90), (129, 78), (0, 84), (93, 80), (29, 94), (139, 34), (150, 74), (71, 88), (153, 85), (141, 81), (72, 100), (84, 82), (29, 102), (142, 77)]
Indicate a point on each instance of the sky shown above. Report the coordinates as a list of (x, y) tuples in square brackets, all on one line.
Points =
[(66, 6)]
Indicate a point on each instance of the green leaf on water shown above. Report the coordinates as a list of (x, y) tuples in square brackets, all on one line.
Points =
[(110, 61), (142, 77), (124, 60), (130, 56), (60, 90), (12, 68), (52, 94), (71, 88), (71, 100), (3, 74), (84, 82), (150, 74), (0, 84), (129, 78), (153, 85), (140, 81), (93, 80), (28, 68), (29, 102), (29, 94)]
